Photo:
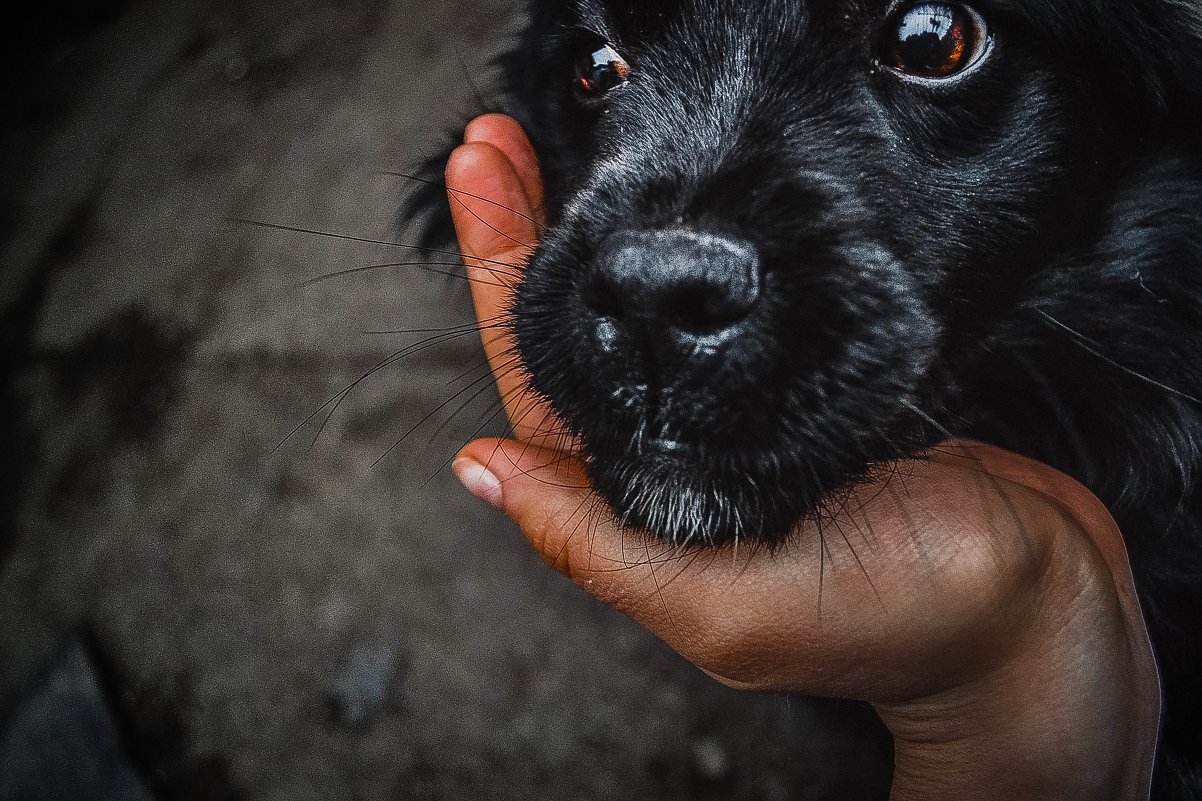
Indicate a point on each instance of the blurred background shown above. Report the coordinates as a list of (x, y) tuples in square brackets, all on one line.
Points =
[(188, 608)]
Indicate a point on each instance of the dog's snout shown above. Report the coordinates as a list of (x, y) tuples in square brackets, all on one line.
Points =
[(678, 283)]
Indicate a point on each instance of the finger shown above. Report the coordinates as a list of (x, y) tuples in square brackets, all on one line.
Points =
[(496, 236), (711, 605), (493, 221), (547, 493), (505, 134)]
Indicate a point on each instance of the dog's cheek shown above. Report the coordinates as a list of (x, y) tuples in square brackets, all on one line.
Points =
[(992, 174), (556, 343), (541, 327)]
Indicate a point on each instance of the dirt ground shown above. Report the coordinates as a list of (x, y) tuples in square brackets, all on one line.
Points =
[(188, 608)]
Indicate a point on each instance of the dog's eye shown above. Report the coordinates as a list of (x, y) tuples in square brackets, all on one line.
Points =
[(934, 40), (599, 70)]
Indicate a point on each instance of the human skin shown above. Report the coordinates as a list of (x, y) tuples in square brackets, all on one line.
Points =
[(982, 602)]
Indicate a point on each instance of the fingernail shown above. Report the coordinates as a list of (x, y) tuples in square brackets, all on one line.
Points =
[(478, 480)]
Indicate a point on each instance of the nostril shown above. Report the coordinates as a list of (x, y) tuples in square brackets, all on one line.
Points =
[(601, 296), (703, 309)]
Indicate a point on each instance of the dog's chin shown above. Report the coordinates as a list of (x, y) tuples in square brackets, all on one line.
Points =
[(687, 496)]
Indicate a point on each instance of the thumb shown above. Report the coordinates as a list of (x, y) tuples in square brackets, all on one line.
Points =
[(544, 491), (547, 493)]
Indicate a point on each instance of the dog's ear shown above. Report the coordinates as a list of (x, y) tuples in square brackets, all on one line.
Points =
[(1184, 54), (1162, 39), (1151, 48)]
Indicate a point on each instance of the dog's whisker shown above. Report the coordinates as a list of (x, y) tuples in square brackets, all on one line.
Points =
[(1093, 347), (465, 193), (425, 266), (370, 241)]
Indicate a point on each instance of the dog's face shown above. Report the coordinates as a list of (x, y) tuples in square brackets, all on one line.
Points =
[(778, 226)]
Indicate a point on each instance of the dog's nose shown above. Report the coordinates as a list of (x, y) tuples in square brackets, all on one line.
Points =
[(685, 283)]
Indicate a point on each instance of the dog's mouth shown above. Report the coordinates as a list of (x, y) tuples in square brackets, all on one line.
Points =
[(690, 492), (670, 491)]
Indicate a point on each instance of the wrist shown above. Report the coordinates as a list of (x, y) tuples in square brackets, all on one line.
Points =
[(1068, 708)]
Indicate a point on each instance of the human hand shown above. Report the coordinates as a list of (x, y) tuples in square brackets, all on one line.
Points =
[(981, 601)]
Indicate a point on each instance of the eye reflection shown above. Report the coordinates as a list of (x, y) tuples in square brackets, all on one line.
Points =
[(601, 70), (931, 22), (934, 40)]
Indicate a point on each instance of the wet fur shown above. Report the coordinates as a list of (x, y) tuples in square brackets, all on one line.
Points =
[(1014, 257)]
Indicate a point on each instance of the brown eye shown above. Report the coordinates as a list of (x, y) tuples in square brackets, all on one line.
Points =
[(934, 40), (600, 70)]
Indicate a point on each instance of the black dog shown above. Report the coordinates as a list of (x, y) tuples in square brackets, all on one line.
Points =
[(790, 239)]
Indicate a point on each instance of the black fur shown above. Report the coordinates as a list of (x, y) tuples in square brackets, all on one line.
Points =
[(1013, 255)]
